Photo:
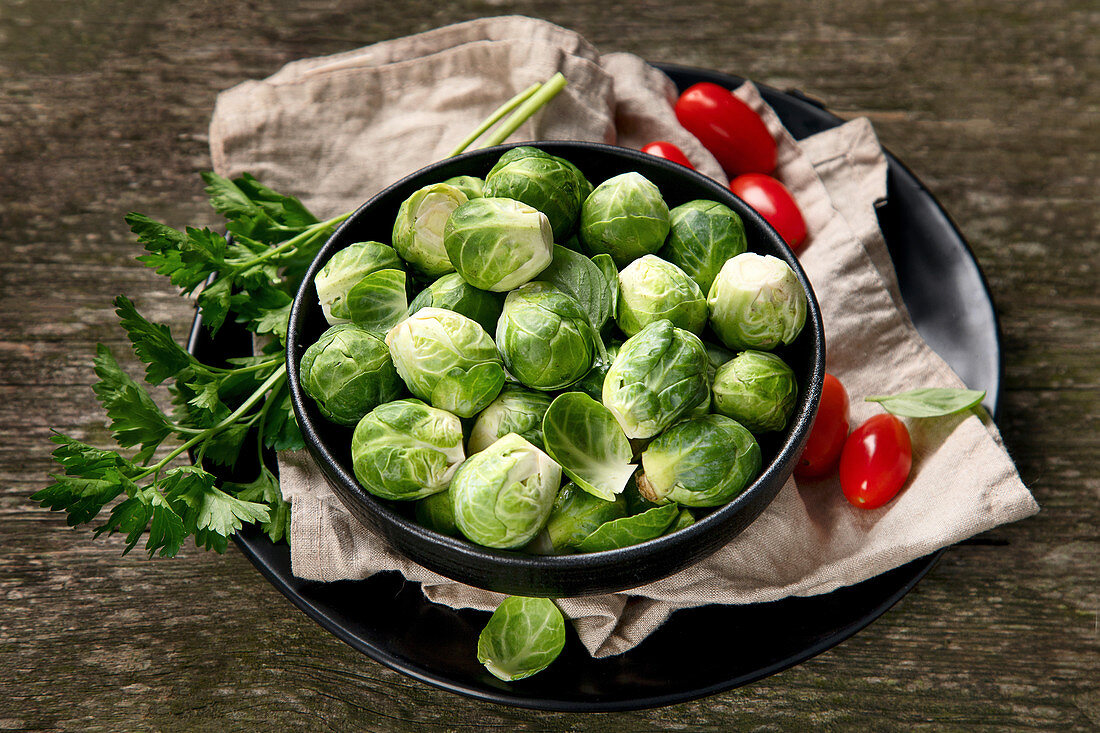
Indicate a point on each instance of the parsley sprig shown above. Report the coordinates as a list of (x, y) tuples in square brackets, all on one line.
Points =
[(251, 272)]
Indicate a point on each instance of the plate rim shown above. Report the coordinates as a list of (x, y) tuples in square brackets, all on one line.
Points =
[(250, 543)]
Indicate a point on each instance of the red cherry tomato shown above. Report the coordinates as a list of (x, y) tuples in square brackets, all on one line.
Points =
[(774, 202), (827, 435), (875, 461), (728, 128), (668, 151)]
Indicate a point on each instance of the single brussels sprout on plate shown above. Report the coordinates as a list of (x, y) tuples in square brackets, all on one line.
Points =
[(545, 338), (625, 217), (545, 182), (472, 186), (418, 228), (523, 636), (585, 281), (577, 514), (651, 289), (344, 270), (498, 244), (700, 462), (630, 530), (447, 360), (503, 495), (586, 441), (348, 372), (406, 450), (659, 376), (702, 236), (515, 410), (437, 513), (455, 294), (378, 301), (757, 389), (756, 302)]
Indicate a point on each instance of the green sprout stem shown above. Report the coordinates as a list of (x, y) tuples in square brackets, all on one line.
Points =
[(546, 92), (495, 117)]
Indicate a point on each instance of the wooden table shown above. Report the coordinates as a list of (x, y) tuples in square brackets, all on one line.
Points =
[(103, 110)]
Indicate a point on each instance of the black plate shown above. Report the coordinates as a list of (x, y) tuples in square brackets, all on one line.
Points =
[(389, 619)]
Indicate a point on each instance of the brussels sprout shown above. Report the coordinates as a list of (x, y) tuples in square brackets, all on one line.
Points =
[(700, 462), (624, 217), (447, 360), (577, 514), (584, 281), (757, 389), (545, 338), (517, 153), (523, 636), (651, 289), (472, 186), (583, 437), (658, 377), (344, 270), (406, 450), (498, 244), (418, 228), (378, 301), (515, 410), (702, 236), (547, 183), (455, 294), (756, 302), (437, 513), (348, 372), (592, 383), (503, 495), (630, 530)]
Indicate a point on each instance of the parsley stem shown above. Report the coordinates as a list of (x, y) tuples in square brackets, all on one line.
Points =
[(301, 238), (276, 376)]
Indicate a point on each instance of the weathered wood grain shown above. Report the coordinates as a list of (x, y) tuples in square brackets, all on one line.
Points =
[(103, 110)]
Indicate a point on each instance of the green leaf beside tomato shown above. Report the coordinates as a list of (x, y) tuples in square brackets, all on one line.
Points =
[(933, 402)]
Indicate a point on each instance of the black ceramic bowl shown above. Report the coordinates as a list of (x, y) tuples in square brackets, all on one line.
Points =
[(565, 575)]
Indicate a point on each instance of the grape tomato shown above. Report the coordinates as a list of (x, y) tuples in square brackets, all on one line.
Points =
[(727, 127), (875, 461), (827, 435), (668, 151), (774, 202)]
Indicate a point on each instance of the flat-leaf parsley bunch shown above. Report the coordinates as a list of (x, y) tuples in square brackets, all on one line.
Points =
[(218, 413)]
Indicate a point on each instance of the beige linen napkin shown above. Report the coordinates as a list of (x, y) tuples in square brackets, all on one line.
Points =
[(338, 129)]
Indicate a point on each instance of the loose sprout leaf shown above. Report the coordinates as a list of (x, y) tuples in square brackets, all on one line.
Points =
[(523, 636), (378, 302), (932, 402), (581, 279), (611, 275), (584, 438), (630, 530)]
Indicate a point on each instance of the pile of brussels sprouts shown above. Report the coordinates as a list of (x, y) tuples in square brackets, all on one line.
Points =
[(557, 335)]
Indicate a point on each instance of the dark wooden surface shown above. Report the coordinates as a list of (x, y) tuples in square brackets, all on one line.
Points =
[(103, 109)]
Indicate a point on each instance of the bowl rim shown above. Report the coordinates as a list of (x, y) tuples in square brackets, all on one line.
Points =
[(783, 463)]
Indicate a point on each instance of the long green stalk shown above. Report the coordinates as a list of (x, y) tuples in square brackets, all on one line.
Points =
[(495, 117), (546, 92)]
